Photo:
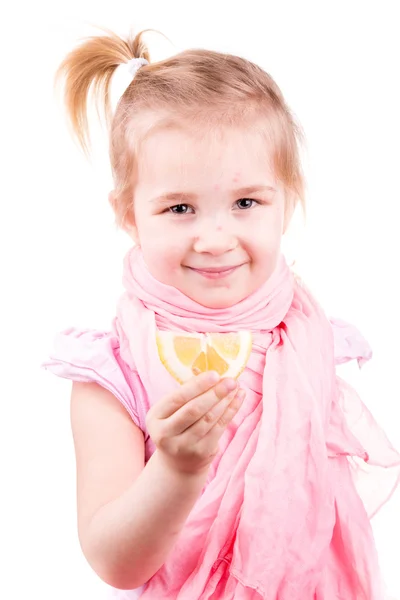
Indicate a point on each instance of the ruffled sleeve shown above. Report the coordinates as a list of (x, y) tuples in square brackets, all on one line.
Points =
[(349, 343), (354, 432), (89, 355)]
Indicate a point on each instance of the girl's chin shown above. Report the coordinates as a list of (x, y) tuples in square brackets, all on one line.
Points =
[(217, 298)]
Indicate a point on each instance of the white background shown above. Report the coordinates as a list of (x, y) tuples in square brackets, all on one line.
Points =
[(61, 256)]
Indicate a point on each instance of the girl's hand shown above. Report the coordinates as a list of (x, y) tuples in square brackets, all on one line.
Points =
[(186, 426)]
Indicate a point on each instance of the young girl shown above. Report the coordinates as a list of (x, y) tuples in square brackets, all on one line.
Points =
[(255, 488)]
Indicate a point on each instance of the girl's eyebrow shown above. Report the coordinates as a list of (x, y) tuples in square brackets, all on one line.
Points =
[(253, 189), (183, 197)]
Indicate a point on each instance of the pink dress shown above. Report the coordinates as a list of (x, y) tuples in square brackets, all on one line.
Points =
[(94, 356)]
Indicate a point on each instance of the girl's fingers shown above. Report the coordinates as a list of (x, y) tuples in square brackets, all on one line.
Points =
[(213, 435), (191, 389), (217, 412), (196, 409)]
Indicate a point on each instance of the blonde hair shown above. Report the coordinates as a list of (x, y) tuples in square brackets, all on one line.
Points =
[(195, 87)]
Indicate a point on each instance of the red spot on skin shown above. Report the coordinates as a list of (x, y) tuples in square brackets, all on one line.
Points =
[(236, 177)]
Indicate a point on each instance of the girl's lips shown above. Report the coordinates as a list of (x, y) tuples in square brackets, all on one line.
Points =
[(215, 272)]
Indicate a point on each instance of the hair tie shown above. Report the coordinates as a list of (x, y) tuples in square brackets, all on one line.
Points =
[(134, 65)]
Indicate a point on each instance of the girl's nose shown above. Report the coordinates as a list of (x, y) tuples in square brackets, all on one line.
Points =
[(215, 240)]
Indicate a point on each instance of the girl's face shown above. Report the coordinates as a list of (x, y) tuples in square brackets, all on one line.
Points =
[(209, 213)]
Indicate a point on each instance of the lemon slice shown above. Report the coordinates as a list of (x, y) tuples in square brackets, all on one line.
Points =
[(183, 353)]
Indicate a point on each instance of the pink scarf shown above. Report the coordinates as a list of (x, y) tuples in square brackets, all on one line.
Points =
[(280, 517)]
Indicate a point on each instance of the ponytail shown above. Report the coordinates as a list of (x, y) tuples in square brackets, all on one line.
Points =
[(89, 68)]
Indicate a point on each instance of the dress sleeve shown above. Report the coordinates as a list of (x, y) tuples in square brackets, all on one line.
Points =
[(374, 462), (89, 355), (349, 343)]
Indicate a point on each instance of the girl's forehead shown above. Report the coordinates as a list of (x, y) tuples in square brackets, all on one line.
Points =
[(176, 157)]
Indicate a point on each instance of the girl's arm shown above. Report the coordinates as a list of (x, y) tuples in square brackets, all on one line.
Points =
[(129, 516)]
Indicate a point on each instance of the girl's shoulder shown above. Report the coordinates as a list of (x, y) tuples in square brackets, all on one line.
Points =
[(89, 355)]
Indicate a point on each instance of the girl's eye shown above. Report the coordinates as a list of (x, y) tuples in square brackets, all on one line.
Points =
[(179, 209), (244, 203)]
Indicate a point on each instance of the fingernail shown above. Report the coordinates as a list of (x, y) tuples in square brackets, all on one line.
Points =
[(230, 385), (214, 377), (196, 371)]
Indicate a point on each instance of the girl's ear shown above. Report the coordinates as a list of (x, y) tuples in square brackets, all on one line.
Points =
[(128, 225)]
